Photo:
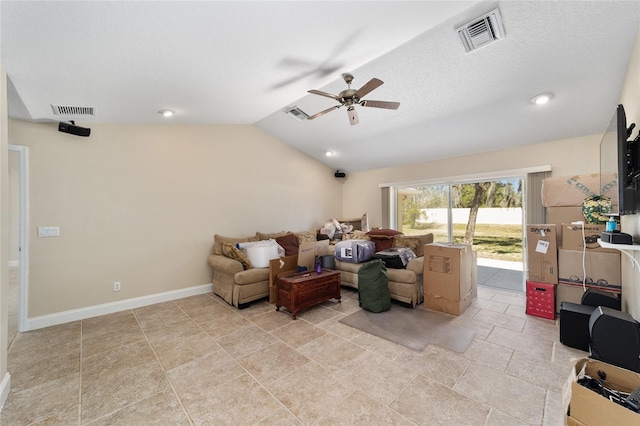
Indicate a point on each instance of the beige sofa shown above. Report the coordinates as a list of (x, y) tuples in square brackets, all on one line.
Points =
[(405, 285), (239, 286)]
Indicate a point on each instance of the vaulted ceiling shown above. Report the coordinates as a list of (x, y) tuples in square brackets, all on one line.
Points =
[(241, 62)]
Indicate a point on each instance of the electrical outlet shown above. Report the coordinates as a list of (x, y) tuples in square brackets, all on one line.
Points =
[(116, 286)]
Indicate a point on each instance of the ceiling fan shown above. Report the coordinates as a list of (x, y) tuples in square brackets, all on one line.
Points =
[(350, 98)]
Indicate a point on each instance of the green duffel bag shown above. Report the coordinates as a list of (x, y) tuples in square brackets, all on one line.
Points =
[(373, 287)]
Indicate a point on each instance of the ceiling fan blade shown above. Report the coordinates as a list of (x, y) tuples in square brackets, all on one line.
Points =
[(374, 83), (380, 104), (328, 95), (353, 116), (323, 112)]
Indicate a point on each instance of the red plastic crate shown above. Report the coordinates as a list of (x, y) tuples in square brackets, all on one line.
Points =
[(541, 299)]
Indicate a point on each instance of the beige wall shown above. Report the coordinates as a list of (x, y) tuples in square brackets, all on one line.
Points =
[(630, 98), (362, 191), (140, 204)]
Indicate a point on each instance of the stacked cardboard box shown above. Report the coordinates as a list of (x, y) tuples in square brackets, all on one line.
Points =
[(563, 198), (449, 284), (583, 264)]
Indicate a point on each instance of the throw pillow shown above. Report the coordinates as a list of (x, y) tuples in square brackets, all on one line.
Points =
[(383, 238), (414, 243), (231, 251), (306, 237), (424, 240), (382, 232), (289, 243), (359, 235), (262, 236), (219, 240)]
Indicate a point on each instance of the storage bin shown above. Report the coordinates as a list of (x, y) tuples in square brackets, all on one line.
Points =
[(541, 299)]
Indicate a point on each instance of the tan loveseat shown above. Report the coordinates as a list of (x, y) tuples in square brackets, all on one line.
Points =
[(405, 285), (231, 281)]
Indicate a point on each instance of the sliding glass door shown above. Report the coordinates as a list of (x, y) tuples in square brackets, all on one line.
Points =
[(486, 214)]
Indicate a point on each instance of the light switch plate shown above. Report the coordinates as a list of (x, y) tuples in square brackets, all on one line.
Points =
[(48, 231)]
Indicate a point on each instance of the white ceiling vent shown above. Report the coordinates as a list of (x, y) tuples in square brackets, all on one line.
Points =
[(72, 110), (482, 31), (296, 113)]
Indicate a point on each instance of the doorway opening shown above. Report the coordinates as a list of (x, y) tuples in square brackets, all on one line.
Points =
[(19, 240), (487, 214)]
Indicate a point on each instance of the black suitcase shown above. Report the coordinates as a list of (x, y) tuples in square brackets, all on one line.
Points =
[(373, 287), (395, 257)]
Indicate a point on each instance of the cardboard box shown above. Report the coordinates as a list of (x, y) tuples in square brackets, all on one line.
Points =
[(572, 190), (447, 277), (307, 253), (574, 239), (583, 406), (602, 269), (560, 215), (277, 268), (542, 253)]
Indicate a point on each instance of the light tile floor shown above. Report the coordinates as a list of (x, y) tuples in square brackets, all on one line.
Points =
[(199, 361)]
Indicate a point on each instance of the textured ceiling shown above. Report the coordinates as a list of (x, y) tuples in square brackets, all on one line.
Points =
[(243, 62)]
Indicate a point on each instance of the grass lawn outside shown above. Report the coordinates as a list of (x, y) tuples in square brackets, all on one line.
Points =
[(500, 242)]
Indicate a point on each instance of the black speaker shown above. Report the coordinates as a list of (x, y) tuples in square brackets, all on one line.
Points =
[(615, 338), (596, 298), (73, 129), (340, 174), (574, 325)]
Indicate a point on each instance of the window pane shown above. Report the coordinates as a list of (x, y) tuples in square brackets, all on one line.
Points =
[(424, 209), (489, 215)]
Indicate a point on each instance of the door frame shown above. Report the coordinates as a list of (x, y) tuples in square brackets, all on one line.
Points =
[(23, 234)]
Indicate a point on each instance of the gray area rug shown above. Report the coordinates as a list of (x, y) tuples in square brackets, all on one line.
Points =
[(414, 328), (501, 278)]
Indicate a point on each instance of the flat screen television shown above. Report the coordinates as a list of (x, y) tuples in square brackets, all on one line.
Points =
[(621, 155)]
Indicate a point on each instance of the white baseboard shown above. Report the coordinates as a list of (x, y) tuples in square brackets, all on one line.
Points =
[(13, 263), (5, 387), (109, 308)]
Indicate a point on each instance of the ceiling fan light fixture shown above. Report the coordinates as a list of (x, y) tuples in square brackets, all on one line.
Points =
[(350, 98), (542, 98), (165, 112)]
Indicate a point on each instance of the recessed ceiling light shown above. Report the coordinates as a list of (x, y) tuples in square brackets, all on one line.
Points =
[(542, 98), (329, 153), (166, 112)]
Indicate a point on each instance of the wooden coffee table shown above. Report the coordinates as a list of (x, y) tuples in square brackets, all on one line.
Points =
[(303, 290)]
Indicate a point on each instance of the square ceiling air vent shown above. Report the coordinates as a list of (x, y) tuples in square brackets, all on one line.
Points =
[(482, 31), (296, 113), (72, 110)]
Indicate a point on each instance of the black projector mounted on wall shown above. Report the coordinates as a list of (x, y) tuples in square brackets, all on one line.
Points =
[(71, 128)]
